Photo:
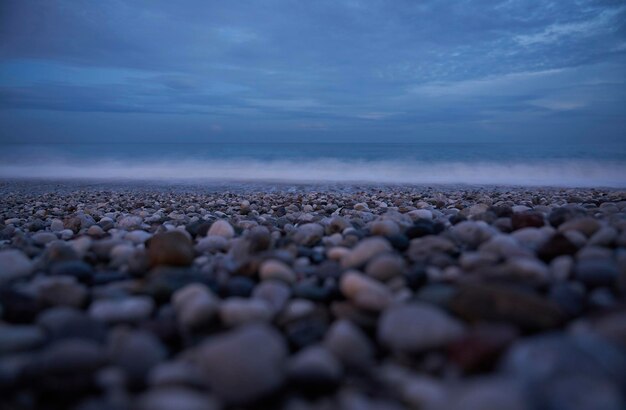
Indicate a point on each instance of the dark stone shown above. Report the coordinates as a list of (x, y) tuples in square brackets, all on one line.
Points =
[(311, 291), (595, 272), (306, 331), (237, 286), (527, 220), (198, 228), (421, 227), (501, 211), (65, 368), (171, 248), (576, 372), (477, 302), (67, 323), (135, 352), (457, 218), (557, 245), (102, 278), (164, 281), (18, 307), (80, 270), (479, 349), (564, 214), (416, 277), (400, 242), (260, 239), (569, 297)]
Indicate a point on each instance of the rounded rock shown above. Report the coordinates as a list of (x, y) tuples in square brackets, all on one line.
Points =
[(415, 327)]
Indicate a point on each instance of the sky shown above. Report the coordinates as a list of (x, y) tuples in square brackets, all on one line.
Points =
[(312, 71)]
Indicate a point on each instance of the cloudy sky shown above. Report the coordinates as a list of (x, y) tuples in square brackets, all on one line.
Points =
[(324, 70)]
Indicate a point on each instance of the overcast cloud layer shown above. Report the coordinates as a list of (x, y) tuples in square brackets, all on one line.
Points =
[(324, 70)]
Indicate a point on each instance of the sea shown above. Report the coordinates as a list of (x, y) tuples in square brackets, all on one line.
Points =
[(505, 164)]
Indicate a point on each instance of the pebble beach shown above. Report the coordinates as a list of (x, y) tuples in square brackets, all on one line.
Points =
[(150, 297)]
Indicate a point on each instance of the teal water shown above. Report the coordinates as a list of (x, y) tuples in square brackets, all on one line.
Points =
[(508, 164)]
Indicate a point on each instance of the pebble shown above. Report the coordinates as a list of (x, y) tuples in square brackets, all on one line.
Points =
[(245, 364), (221, 228), (308, 234), (14, 265), (42, 238), (18, 338), (275, 269), (500, 303), (273, 292), (179, 398), (60, 291), (415, 327), (237, 311), (314, 369), (171, 248), (595, 272), (195, 306), (364, 251), (127, 310), (56, 225), (365, 292), (385, 267), (136, 352), (349, 344)]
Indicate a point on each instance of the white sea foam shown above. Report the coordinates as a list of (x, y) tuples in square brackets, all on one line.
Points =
[(566, 173)]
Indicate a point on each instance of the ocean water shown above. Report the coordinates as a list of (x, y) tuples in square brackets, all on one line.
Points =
[(567, 165)]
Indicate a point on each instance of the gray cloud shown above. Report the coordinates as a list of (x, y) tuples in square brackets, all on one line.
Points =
[(293, 70)]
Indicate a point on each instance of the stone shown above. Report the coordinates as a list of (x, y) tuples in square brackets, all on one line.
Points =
[(17, 338), (42, 238), (275, 269), (385, 227), (477, 302), (172, 248), (595, 272), (66, 367), (585, 225), (179, 398), (96, 231), (14, 264), (195, 306), (138, 236), (56, 225), (244, 365), (365, 292), (127, 310), (416, 327), (364, 251), (349, 344), (130, 222), (557, 245), (485, 394), (79, 270), (479, 349), (527, 219), (69, 323), (60, 291), (385, 267), (472, 233), (221, 228), (214, 243), (273, 292), (237, 311), (314, 370), (136, 352), (569, 372), (421, 227), (308, 234)]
